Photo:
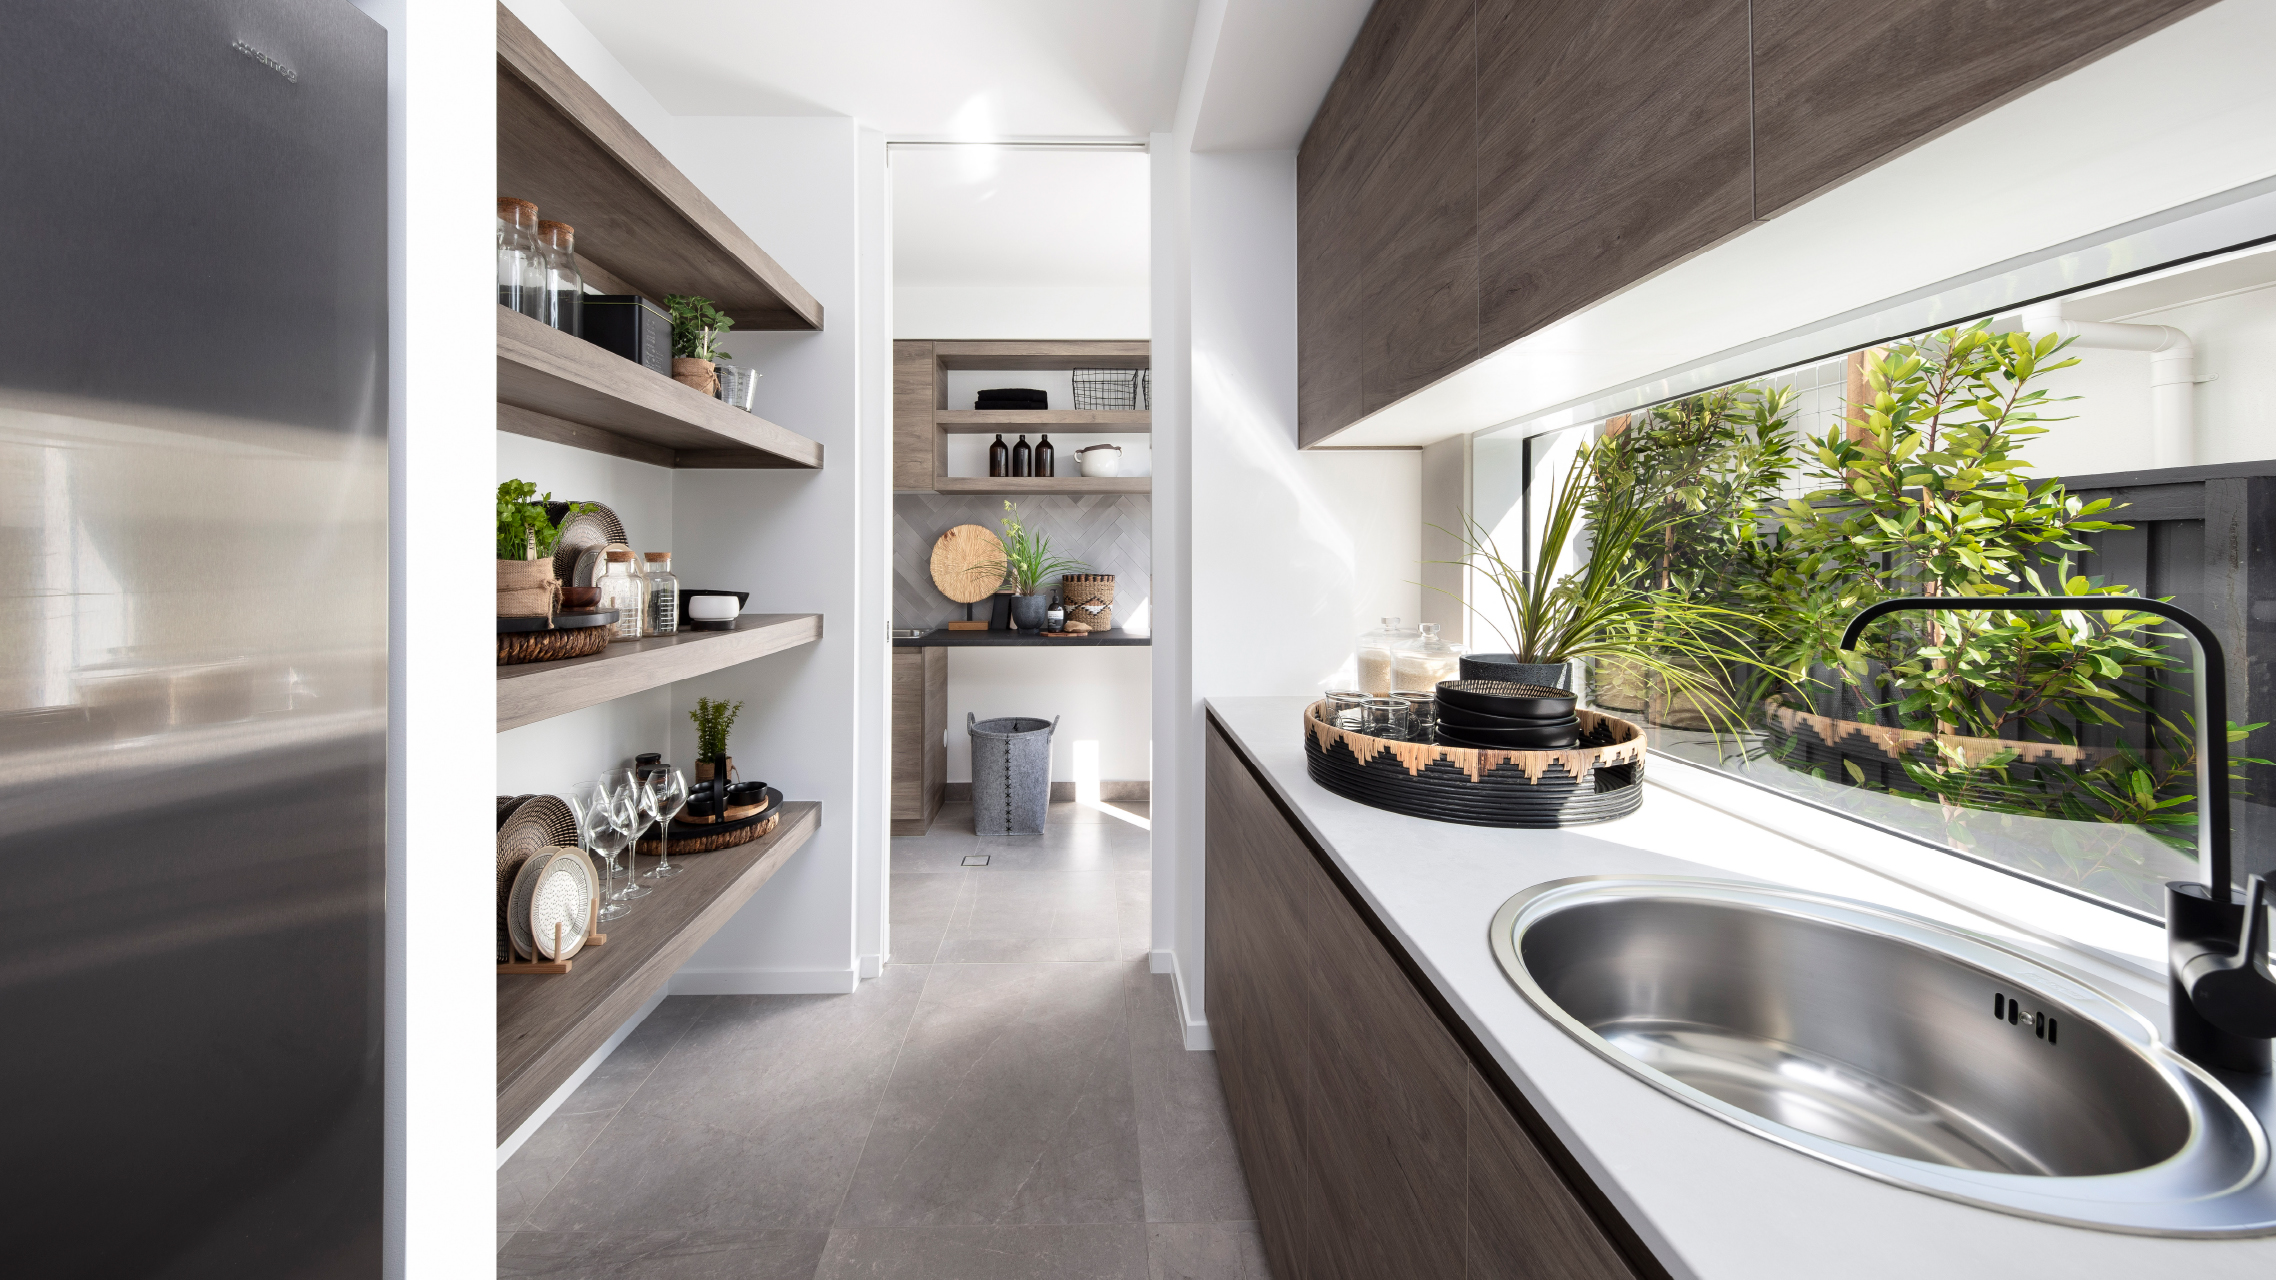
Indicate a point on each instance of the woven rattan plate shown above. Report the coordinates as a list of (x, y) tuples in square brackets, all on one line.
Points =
[(539, 822)]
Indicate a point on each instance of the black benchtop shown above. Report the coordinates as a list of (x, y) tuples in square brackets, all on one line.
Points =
[(945, 638)]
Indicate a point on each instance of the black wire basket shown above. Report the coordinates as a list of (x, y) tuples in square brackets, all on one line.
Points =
[(1113, 388)]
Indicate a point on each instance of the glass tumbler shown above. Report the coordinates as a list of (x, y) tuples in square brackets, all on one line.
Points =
[(1344, 709), (1388, 717)]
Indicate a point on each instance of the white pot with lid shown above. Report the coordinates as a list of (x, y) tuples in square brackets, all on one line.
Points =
[(1100, 459)]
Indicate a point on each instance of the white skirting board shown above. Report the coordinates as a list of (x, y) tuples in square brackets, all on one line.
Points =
[(545, 1111), (766, 982), (1196, 1029)]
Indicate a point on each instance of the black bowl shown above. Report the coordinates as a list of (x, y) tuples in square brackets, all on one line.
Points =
[(1512, 701), (1480, 720), (1556, 737)]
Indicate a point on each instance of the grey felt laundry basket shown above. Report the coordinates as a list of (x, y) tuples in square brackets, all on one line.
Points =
[(1011, 774)]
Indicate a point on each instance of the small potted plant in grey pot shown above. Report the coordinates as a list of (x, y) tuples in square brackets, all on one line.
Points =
[(1028, 560)]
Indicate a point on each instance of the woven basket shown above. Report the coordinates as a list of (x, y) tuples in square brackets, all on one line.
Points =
[(713, 843), (1089, 598), (516, 647), (1599, 780)]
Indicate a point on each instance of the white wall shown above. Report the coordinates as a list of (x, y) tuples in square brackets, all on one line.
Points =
[(1314, 547), (1100, 696), (2235, 338), (800, 542), (967, 312)]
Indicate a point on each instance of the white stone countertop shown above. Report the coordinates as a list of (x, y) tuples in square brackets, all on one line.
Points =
[(1711, 1200)]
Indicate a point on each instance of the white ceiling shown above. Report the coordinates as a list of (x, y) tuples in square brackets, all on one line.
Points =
[(989, 216), (912, 68)]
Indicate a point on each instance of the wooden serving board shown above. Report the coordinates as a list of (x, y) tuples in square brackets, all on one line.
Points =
[(961, 550)]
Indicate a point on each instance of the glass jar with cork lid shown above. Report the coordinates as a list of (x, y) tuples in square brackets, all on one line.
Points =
[(621, 590)]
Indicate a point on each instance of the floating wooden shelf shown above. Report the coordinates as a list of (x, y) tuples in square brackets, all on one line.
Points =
[(535, 691), (548, 1026), (557, 387), (923, 422), (1043, 354), (1088, 421), (562, 146), (1012, 486)]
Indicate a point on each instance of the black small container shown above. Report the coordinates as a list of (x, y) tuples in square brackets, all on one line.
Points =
[(632, 327), (1462, 719), (1545, 737), (1500, 698)]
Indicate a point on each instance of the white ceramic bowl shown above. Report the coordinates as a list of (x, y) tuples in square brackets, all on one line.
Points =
[(713, 608), (1101, 460)]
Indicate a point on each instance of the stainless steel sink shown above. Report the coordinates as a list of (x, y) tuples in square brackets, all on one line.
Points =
[(1897, 1047)]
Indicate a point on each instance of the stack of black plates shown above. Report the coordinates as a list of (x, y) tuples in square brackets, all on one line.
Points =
[(1495, 715)]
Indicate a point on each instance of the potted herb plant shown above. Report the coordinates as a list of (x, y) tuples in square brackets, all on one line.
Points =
[(713, 718), (697, 326), (526, 539), (1027, 561)]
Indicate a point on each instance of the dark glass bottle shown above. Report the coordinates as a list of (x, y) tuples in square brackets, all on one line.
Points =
[(999, 457), (1046, 457), (1021, 458)]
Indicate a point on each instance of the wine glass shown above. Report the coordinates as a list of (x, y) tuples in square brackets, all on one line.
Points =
[(624, 810), (596, 832), (665, 794)]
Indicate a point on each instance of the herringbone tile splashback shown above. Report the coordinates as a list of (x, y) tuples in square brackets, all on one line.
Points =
[(1107, 532)]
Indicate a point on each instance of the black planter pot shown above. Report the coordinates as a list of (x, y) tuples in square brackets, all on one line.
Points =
[(1028, 611)]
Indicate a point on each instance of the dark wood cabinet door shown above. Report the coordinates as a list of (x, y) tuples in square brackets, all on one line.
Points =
[(1613, 141), (1419, 199), (1841, 86), (1330, 260), (1255, 1001), (1524, 1223), (1386, 1123)]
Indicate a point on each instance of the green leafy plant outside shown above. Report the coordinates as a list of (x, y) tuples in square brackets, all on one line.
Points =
[(1918, 491), (713, 719), (524, 532), (697, 326), (1027, 559)]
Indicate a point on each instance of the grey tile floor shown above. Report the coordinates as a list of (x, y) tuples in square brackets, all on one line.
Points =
[(1010, 1100)]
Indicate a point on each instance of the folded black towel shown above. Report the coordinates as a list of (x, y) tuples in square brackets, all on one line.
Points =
[(1021, 394), (1030, 406)]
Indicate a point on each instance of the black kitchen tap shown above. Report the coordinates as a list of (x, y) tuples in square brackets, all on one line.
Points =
[(2222, 994)]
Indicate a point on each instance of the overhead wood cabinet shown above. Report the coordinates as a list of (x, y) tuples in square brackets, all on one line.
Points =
[(1373, 1144), (1480, 169), (1840, 87)]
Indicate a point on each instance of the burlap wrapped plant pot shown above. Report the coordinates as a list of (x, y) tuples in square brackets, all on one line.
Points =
[(702, 375), (1089, 598), (527, 588)]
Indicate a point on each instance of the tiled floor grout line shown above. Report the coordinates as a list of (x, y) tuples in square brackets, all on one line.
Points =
[(614, 1115), (885, 1091)]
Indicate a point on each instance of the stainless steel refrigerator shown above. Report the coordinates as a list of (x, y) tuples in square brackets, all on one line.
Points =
[(193, 674)]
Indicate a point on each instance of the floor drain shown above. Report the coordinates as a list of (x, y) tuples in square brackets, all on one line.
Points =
[(976, 860)]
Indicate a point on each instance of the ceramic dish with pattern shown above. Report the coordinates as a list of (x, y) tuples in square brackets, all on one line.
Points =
[(535, 823), (541, 898), (597, 526), (587, 571)]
